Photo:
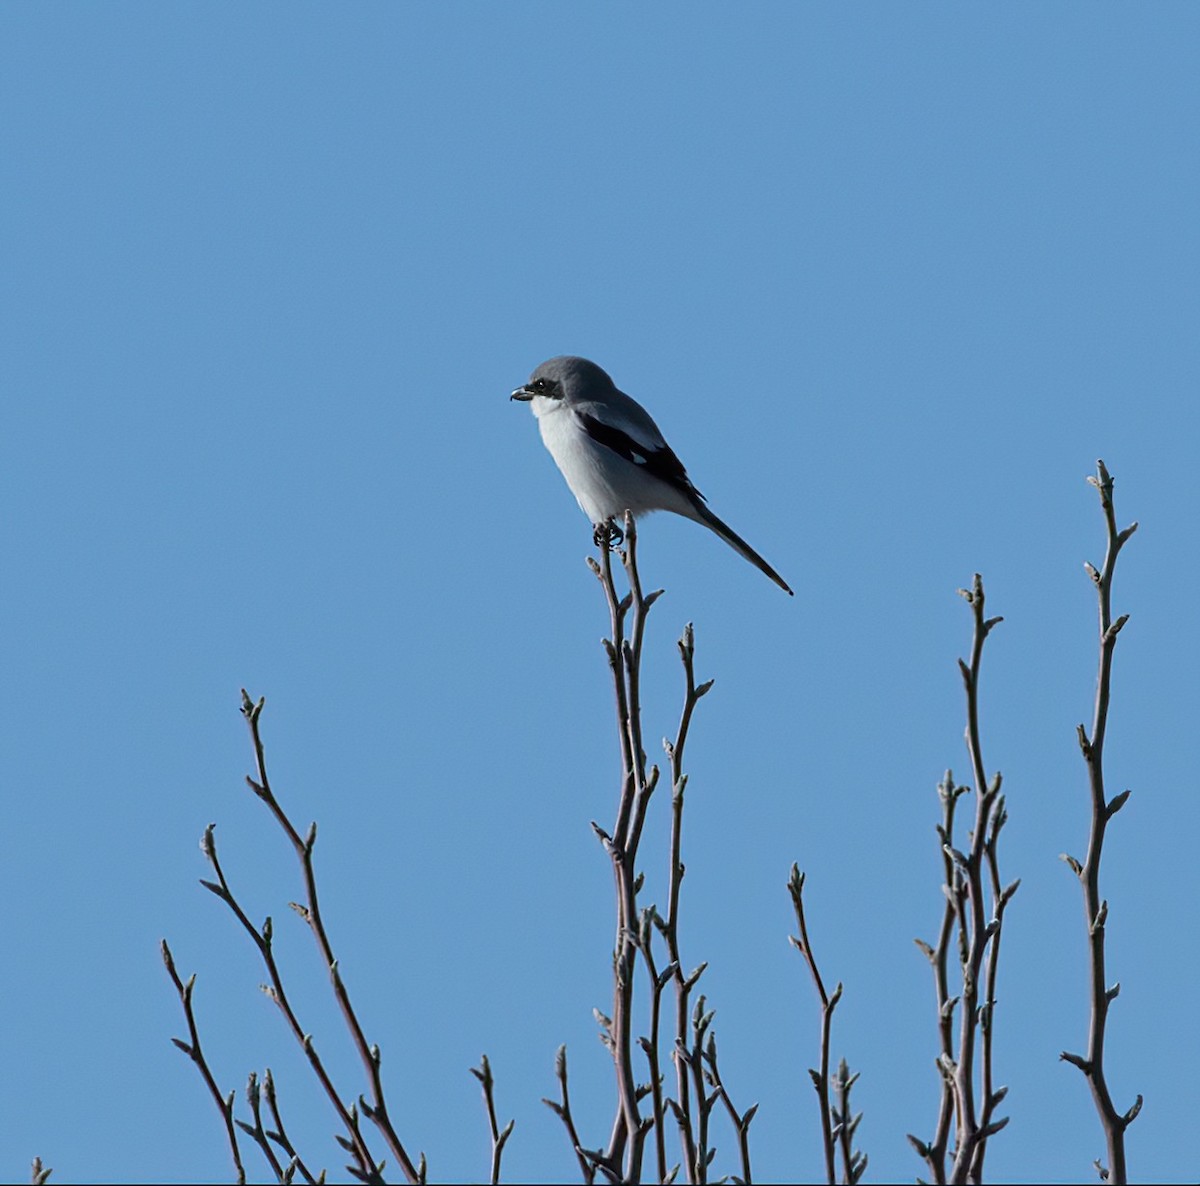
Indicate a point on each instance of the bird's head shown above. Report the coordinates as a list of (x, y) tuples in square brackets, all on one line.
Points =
[(565, 377)]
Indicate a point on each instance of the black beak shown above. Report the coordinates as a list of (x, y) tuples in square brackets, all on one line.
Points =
[(523, 394)]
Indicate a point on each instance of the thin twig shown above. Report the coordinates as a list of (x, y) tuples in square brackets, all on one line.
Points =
[(1000, 898), (693, 1059), (624, 656), (1113, 1122), (563, 1111), (39, 1174), (627, 616), (829, 1002), (658, 982), (934, 1153), (975, 1125), (366, 1168), (280, 1136), (854, 1164), (483, 1073), (193, 1050), (669, 926), (255, 1131), (740, 1120), (369, 1054), (965, 916)]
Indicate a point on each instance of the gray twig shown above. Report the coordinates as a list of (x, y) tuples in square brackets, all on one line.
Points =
[(739, 1120), (934, 1153), (310, 911), (194, 1051), (838, 1126), (622, 1159), (280, 1136), (970, 1105), (563, 1111), (648, 920), (256, 1132), (365, 1168), (975, 1124), (483, 1073), (681, 1107), (820, 1077), (854, 1163), (624, 655), (1114, 1123), (693, 1059)]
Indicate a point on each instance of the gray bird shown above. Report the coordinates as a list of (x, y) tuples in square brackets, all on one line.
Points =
[(612, 454)]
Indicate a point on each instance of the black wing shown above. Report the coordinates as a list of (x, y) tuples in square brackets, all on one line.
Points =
[(662, 462)]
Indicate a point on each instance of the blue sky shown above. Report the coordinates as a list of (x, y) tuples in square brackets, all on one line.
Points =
[(890, 278)]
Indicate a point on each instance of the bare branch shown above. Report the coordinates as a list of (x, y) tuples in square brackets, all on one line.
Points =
[(820, 1077), (658, 982), (483, 1073), (280, 1136), (964, 1102), (979, 936), (854, 1163), (194, 1051), (739, 1120), (563, 1111), (934, 1152), (263, 941), (628, 1135), (1114, 1123), (684, 984), (310, 911), (255, 1131)]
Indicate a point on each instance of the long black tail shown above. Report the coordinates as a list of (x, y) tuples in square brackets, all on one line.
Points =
[(735, 541)]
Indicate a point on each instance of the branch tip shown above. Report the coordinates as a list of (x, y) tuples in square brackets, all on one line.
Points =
[(1116, 803), (1115, 629), (1076, 1060), (919, 1145)]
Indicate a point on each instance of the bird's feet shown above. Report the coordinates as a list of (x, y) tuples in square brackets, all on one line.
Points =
[(608, 534)]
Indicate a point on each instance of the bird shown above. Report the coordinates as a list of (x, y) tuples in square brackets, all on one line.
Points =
[(612, 454)]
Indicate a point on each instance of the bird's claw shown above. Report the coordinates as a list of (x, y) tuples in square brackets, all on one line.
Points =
[(608, 534)]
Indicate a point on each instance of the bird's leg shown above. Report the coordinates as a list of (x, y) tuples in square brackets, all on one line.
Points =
[(607, 534)]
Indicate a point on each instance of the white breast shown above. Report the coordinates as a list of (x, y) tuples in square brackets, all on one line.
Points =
[(604, 484)]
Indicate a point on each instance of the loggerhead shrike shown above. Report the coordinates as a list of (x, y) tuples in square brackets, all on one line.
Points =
[(612, 455)]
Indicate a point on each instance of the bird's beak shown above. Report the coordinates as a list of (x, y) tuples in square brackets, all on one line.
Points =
[(523, 394)]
